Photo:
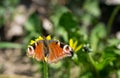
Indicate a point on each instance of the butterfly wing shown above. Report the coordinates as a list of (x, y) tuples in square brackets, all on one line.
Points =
[(36, 51), (58, 51)]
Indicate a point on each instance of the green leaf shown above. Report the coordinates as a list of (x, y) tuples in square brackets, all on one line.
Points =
[(118, 73), (86, 19), (108, 56), (29, 26), (62, 32), (33, 24), (92, 7), (113, 41), (100, 30), (10, 45), (97, 33), (58, 12), (106, 59), (68, 21)]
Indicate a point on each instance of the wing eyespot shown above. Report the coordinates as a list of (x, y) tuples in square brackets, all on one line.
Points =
[(66, 48), (30, 50)]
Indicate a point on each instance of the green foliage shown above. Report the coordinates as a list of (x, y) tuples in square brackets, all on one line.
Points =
[(6, 6), (92, 7), (97, 34), (98, 60), (67, 21), (10, 45), (33, 28)]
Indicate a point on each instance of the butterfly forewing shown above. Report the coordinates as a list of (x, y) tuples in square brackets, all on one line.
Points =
[(37, 51)]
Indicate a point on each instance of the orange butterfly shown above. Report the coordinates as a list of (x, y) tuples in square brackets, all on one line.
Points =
[(45, 49)]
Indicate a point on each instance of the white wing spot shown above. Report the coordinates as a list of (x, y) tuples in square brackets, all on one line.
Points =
[(66, 49), (30, 50)]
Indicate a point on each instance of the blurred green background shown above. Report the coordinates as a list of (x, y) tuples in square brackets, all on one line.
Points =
[(95, 24)]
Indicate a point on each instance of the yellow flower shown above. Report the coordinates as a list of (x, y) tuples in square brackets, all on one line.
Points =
[(32, 42), (74, 46), (48, 37), (40, 38)]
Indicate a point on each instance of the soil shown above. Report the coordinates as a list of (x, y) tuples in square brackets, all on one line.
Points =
[(14, 65)]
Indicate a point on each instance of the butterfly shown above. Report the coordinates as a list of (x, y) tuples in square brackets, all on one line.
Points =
[(48, 50)]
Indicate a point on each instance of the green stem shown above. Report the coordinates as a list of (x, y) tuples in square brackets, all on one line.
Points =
[(91, 59), (69, 65), (45, 70), (110, 22), (94, 66)]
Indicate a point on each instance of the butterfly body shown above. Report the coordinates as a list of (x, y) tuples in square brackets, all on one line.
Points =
[(49, 50)]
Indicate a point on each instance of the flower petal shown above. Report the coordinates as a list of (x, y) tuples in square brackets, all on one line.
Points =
[(32, 42), (48, 37), (75, 44), (40, 38), (71, 43), (78, 48)]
